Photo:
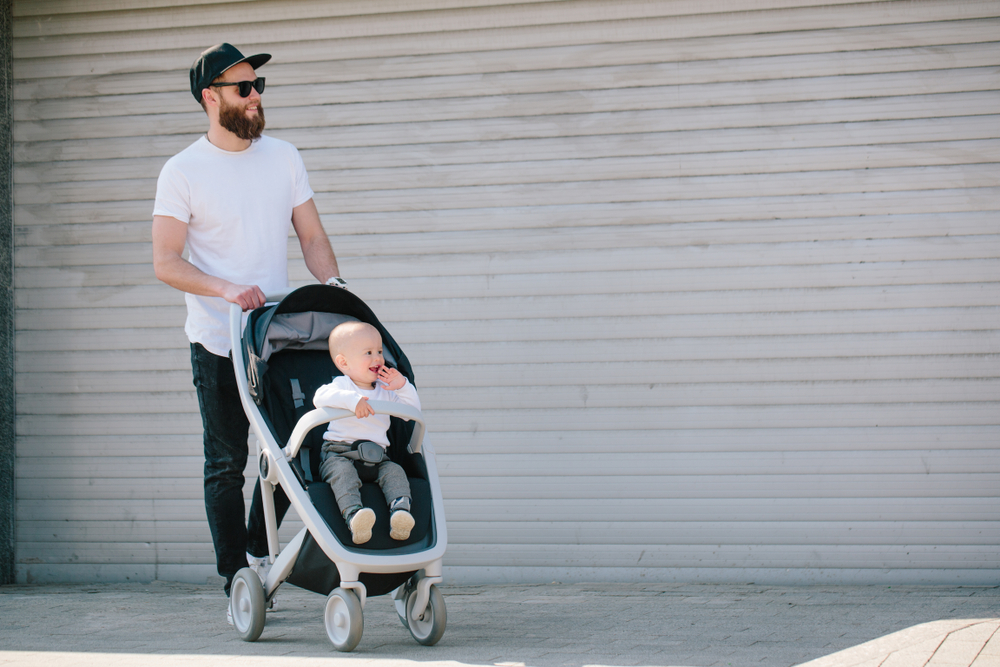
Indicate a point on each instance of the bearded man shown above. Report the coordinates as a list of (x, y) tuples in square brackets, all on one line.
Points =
[(230, 197)]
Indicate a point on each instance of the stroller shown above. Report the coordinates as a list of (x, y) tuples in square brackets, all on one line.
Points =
[(281, 358)]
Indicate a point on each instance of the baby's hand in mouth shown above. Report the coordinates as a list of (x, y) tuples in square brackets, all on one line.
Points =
[(391, 378)]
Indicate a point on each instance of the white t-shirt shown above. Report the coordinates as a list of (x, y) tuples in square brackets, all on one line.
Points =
[(344, 394), (238, 208)]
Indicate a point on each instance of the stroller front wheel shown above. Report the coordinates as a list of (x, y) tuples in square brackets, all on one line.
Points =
[(344, 619), (429, 627), (246, 601)]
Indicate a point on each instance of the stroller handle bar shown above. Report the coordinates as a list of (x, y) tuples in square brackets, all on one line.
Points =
[(319, 416)]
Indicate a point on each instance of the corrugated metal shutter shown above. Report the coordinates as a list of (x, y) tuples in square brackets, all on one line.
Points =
[(690, 293)]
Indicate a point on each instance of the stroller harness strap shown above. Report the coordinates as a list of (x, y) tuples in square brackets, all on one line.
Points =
[(306, 464), (297, 396), (299, 400), (366, 452)]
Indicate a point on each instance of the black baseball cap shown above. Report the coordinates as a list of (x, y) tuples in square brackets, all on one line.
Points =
[(216, 60)]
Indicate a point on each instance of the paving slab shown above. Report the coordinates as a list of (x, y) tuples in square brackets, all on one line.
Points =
[(960, 642), (554, 625)]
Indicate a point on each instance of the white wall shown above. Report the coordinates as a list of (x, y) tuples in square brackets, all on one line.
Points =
[(690, 294)]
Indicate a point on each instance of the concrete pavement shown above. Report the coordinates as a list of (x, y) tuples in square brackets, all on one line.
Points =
[(574, 625)]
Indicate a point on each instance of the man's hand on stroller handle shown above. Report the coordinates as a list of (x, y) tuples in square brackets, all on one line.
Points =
[(246, 297), (362, 409)]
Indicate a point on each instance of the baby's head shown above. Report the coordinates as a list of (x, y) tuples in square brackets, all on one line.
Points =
[(356, 349)]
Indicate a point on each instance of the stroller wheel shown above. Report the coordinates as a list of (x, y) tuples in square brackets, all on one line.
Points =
[(400, 598), (246, 599), (344, 619), (428, 628)]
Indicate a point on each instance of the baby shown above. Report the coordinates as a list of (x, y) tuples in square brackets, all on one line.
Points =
[(356, 348)]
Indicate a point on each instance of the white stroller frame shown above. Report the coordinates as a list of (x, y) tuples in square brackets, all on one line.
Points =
[(419, 604)]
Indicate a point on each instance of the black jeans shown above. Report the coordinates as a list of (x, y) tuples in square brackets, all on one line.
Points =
[(226, 430)]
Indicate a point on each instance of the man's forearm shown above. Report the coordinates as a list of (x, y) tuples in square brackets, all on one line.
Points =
[(315, 244), (320, 260), (185, 276), (181, 274), (169, 239)]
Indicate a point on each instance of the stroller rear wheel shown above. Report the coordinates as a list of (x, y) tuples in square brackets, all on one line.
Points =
[(429, 627), (344, 619), (246, 600)]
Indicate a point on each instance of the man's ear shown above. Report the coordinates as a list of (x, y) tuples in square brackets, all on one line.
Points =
[(208, 97)]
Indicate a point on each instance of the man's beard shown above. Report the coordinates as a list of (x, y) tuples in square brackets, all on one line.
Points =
[(234, 119)]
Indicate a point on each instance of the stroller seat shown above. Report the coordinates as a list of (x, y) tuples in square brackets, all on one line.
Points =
[(290, 382)]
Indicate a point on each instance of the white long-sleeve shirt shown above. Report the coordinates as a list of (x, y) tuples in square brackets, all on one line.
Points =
[(344, 394)]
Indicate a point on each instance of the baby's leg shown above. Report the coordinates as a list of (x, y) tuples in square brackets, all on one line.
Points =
[(342, 477), (396, 489)]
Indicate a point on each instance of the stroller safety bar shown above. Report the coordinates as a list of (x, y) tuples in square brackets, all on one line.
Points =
[(319, 416)]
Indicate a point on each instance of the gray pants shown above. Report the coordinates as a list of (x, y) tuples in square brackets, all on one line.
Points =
[(343, 478)]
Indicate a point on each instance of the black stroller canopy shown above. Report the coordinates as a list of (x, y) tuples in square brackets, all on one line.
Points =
[(304, 319)]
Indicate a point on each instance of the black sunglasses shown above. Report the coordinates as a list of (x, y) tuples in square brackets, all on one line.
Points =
[(245, 86)]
